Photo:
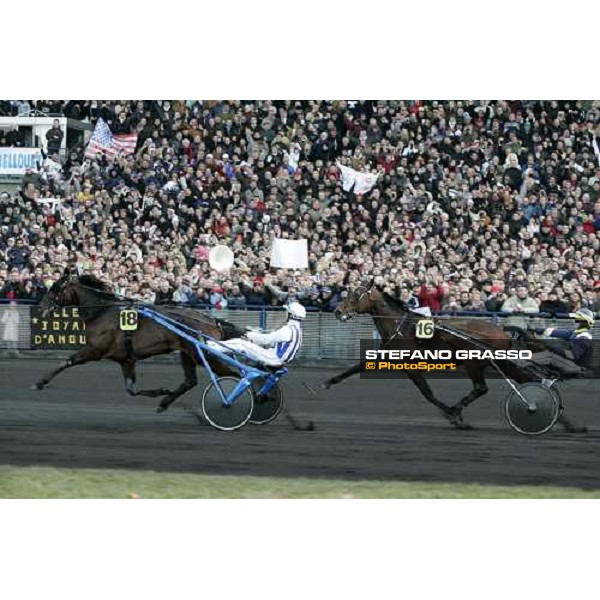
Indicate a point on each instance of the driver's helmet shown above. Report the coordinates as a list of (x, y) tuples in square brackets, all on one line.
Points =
[(296, 311), (586, 316)]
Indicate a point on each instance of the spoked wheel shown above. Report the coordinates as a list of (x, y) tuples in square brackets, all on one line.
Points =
[(268, 406), (227, 417), (535, 412)]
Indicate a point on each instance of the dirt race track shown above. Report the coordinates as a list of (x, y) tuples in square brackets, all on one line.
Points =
[(364, 430)]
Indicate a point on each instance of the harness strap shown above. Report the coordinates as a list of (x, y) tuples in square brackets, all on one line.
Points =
[(128, 345)]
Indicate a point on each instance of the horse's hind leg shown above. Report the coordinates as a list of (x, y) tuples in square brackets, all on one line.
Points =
[(84, 355), (479, 389), (569, 426), (128, 369), (191, 380), (449, 413)]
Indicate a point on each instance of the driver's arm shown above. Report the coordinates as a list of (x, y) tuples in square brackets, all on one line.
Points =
[(283, 334), (563, 334)]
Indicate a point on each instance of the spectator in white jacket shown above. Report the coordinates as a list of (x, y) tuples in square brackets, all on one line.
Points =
[(10, 320), (520, 302)]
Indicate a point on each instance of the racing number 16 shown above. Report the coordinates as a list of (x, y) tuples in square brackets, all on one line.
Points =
[(128, 320), (425, 329)]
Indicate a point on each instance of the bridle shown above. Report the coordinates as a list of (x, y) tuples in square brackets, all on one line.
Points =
[(61, 298), (352, 313), (369, 291), (57, 296)]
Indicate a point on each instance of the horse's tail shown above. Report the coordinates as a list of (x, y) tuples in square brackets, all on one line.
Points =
[(518, 333), (229, 330)]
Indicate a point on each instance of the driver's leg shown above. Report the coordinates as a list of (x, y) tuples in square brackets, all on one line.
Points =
[(556, 361), (254, 352), (265, 356)]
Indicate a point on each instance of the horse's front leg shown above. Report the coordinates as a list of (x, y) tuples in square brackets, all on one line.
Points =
[(86, 354), (344, 375), (128, 369)]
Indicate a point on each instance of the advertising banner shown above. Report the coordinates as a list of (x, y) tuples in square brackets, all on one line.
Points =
[(15, 161), (61, 329)]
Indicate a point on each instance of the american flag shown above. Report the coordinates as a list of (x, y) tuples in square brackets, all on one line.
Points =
[(103, 141)]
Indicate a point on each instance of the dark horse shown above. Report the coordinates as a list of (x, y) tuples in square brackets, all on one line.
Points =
[(394, 320), (99, 309)]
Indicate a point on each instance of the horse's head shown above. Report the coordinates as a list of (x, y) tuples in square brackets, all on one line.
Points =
[(359, 301), (62, 293), (73, 289)]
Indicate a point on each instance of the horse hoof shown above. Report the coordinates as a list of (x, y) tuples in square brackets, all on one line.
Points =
[(309, 427), (454, 416), (37, 386), (325, 385), (161, 408)]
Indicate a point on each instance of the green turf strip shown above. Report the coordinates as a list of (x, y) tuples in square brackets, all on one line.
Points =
[(42, 482)]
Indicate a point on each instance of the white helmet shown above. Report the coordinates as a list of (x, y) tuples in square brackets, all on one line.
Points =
[(296, 311)]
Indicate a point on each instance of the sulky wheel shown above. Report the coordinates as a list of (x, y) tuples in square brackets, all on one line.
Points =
[(559, 399), (268, 406), (535, 412), (227, 417)]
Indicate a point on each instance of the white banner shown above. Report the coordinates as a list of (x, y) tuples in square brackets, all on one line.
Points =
[(14, 161), (289, 254), (596, 149), (53, 202), (362, 182)]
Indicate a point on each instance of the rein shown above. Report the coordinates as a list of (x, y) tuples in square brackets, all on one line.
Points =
[(117, 302)]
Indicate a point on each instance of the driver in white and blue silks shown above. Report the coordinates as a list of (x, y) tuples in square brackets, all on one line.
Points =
[(574, 358), (275, 348)]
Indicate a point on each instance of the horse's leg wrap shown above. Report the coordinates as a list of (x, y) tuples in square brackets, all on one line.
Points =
[(130, 385)]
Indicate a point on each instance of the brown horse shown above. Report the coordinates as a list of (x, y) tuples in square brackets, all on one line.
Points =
[(99, 309), (393, 320)]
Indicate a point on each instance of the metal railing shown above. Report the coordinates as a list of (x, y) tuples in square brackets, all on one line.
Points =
[(324, 336)]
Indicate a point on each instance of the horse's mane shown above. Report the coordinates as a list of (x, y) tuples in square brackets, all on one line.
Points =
[(93, 282), (394, 302)]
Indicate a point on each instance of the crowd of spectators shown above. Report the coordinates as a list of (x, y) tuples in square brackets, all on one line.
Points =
[(478, 205)]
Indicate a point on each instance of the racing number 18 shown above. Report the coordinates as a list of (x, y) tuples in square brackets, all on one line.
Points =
[(129, 320)]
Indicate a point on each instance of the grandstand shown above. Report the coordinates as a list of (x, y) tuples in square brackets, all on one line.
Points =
[(456, 205)]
